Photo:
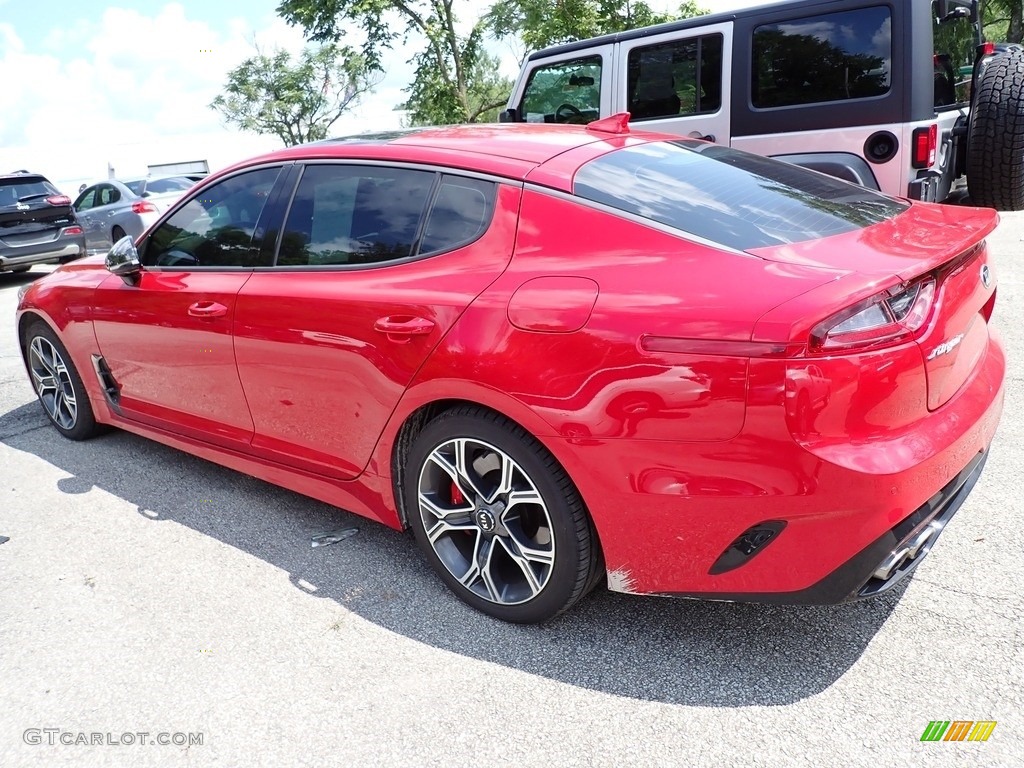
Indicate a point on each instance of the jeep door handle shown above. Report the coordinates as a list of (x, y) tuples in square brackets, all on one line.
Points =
[(207, 309), (403, 326)]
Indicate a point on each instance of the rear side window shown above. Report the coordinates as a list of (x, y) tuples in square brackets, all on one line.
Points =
[(739, 200), (351, 214), (682, 77), (459, 215), (566, 92), (833, 57)]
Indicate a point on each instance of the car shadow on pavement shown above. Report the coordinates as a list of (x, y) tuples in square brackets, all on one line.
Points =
[(655, 649)]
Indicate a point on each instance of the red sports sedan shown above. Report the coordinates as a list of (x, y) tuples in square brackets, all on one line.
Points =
[(559, 355)]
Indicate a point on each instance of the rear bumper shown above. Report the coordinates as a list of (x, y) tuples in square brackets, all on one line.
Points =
[(885, 562), (59, 251), (824, 520)]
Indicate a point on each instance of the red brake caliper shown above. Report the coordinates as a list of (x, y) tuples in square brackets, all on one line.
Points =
[(457, 497)]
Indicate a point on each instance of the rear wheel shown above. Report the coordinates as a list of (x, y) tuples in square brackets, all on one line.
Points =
[(498, 518), (16, 270), (118, 234), (995, 145), (57, 384)]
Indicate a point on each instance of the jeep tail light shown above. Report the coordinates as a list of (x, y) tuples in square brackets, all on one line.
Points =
[(987, 49), (58, 200), (143, 206), (72, 230), (925, 144), (887, 318)]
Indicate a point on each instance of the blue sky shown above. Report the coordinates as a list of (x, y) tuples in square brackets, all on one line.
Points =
[(128, 83)]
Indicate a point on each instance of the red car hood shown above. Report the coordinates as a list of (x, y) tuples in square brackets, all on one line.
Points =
[(918, 240)]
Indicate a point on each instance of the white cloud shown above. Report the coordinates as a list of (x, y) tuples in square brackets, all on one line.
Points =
[(136, 90)]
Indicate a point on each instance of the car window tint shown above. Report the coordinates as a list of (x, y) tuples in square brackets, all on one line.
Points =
[(214, 228), (459, 215), (108, 195), (739, 200), (681, 77), (832, 57), (86, 200), (348, 214), (159, 186), (566, 92), (13, 191)]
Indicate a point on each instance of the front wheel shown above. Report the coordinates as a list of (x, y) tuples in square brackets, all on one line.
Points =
[(57, 384), (498, 518)]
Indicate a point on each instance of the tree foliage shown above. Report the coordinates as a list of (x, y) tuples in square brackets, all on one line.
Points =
[(297, 101), (456, 80), (541, 23), (1003, 20)]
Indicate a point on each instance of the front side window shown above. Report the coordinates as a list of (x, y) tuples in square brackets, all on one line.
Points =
[(682, 77), (566, 92), (353, 214), (215, 228), (86, 200), (833, 57), (736, 199)]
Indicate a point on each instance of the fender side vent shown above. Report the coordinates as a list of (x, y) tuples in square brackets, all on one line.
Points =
[(747, 544), (111, 389)]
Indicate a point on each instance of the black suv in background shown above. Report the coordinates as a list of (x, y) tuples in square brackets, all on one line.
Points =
[(37, 223)]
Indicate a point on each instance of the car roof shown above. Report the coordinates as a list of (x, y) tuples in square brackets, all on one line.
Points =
[(512, 150)]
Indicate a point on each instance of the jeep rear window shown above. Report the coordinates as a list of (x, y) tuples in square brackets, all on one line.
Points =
[(736, 199), (833, 57)]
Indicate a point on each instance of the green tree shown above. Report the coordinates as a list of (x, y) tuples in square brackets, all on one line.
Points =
[(297, 101), (455, 79), (541, 23), (1003, 20)]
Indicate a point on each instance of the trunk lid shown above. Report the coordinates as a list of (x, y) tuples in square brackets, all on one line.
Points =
[(945, 242), (26, 218)]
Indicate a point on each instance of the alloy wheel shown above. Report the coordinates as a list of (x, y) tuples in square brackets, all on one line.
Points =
[(52, 383), (486, 521)]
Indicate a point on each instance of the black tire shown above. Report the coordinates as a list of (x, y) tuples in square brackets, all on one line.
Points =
[(558, 524), (995, 144), (19, 270), (82, 425), (117, 234)]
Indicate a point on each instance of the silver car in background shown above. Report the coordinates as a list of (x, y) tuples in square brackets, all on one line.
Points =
[(112, 209)]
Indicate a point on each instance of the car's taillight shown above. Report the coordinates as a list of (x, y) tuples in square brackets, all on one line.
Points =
[(925, 143), (58, 200), (144, 207), (987, 48), (888, 318), (72, 230)]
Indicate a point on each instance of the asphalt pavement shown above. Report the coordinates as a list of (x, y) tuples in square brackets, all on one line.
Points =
[(148, 596)]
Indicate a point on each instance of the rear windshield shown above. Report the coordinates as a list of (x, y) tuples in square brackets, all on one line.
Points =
[(736, 199), (15, 191)]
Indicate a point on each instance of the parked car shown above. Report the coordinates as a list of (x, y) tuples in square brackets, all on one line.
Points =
[(471, 332), (37, 224), (114, 209), (862, 90)]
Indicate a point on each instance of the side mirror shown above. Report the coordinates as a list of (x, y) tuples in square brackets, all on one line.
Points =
[(123, 260), (508, 116)]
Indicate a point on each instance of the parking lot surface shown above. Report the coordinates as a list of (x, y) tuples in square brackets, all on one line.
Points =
[(143, 591)]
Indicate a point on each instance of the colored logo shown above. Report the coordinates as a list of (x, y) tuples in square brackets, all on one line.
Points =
[(958, 730)]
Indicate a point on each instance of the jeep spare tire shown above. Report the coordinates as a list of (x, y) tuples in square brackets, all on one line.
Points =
[(995, 143)]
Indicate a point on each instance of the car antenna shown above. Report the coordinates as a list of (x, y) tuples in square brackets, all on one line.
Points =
[(618, 123)]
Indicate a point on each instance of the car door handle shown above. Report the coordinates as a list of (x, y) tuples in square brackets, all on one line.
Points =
[(207, 309), (403, 325)]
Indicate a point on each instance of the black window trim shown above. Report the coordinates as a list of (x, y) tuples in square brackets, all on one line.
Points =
[(585, 56), (283, 169), (439, 171)]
